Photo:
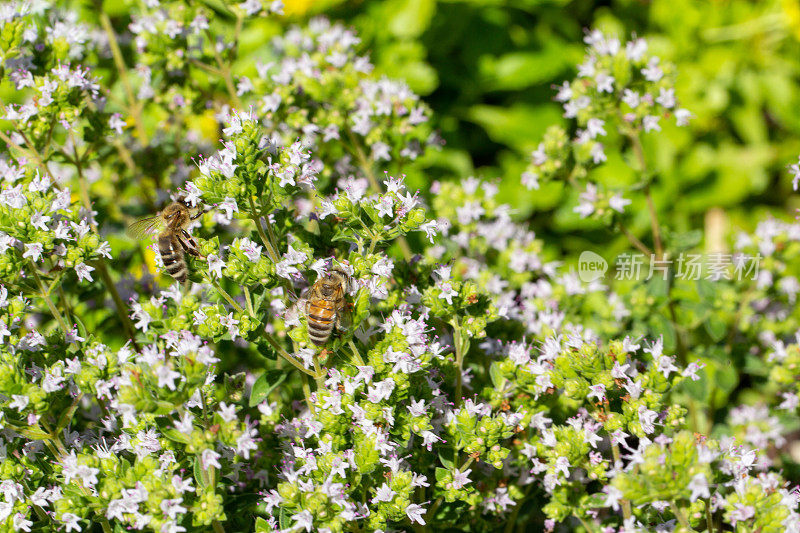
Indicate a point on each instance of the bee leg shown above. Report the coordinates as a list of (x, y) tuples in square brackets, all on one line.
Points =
[(198, 215), (190, 245)]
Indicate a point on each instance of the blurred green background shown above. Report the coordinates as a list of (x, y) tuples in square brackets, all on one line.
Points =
[(488, 68)]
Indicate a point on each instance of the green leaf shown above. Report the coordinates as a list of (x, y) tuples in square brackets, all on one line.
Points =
[(686, 240), (661, 325), (66, 416), (442, 473), (411, 17), (716, 327), (698, 389), (496, 375), (518, 70), (658, 286), (447, 462), (265, 384), (595, 500), (706, 289), (166, 429), (284, 521), (199, 475), (519, 126), (176, 436), (262, 526)]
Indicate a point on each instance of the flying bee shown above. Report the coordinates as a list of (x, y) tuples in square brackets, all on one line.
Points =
[(325, 305), (174, 242)]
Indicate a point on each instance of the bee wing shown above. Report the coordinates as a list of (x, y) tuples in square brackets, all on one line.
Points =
[(144, 227), (343, 320)]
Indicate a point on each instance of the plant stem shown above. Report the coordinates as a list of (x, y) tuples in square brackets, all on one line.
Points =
[(225, 72), (222, 292), (217, 527), (57, 448), (709, 517), (458, 341), (679, 515), (270, 243), (133, 104), (307, 393), (366, 167), (583, 522), (638, 151), (262, 332), (294, 362), (356, 355), (639, 245), (654, 224), (32, 154), (100, 263), (320, 378), (46, 296), (271, 250), (248, 301), (626, 505)]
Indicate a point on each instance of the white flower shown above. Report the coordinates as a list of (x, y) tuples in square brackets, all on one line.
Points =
[(430, 229), (166, 377), (618, 203), (631, 98), (415, 513), (636, 49), (229, 206), (594, 127), (71, 522), (303, 520), (699, 487), (192, 194), (650, 123), (84, 272), (250, 249), (530, 180), (461, 478), (116, 123), (447, 293), (613, 496), (383, 494), (19, 402), (215, 265), (605, 83), (666, 97), (33, 251), (209, 458), (647, 419), (682, 117), (597, 391), (38, 220), (691, 371), (653, 72), (742, 513)]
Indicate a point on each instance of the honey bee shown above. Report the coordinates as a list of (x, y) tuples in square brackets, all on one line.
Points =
[(324, 305), (174, 242)]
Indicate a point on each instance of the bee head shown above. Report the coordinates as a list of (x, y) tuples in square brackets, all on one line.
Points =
[(335, 278), (176, 214)]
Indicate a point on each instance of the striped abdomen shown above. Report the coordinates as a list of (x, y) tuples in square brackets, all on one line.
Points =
[(321, 317), (172, 256)]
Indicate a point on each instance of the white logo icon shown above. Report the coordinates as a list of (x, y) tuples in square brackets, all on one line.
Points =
[(591, 266)]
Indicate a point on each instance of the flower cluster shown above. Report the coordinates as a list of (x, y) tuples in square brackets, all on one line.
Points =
[(620, 92), (471, 379)]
